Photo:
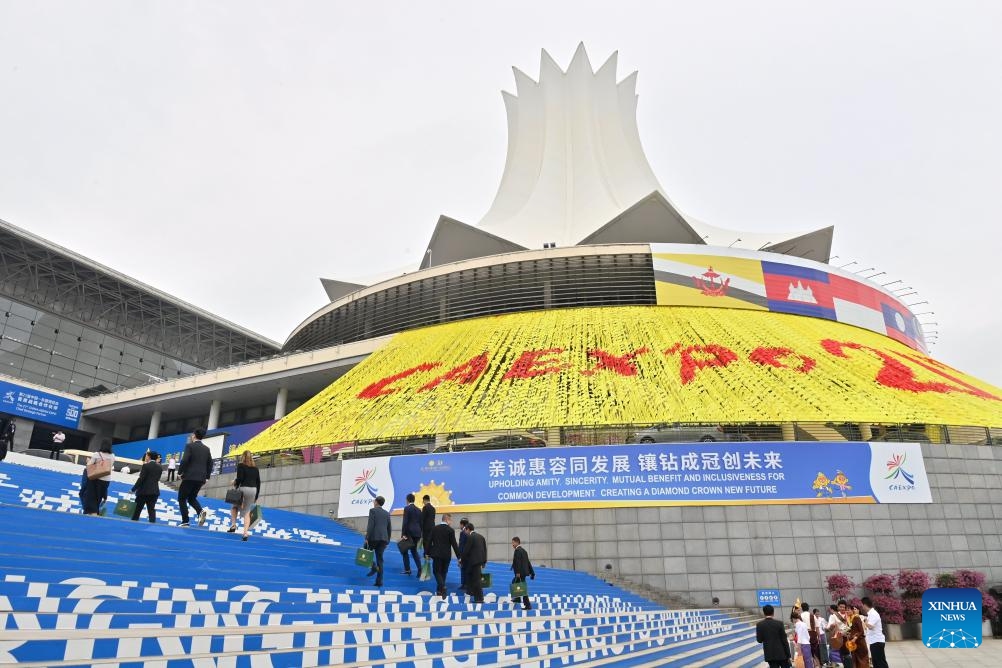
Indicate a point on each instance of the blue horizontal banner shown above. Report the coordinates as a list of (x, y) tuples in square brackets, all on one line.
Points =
[(40, 406), (740, 473)]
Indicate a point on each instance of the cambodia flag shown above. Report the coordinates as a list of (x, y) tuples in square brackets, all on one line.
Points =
[(800, 290)]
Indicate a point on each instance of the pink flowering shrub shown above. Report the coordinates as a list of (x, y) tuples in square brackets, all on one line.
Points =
[(946, 580), (880, 584), (839, 585), (968, 578), (913, 583), (989, 607), (891, 609), (912, 608)]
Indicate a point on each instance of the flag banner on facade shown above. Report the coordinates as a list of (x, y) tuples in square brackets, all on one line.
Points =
[(735, 473)]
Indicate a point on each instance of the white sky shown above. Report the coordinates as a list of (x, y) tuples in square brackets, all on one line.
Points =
[(232, 153)]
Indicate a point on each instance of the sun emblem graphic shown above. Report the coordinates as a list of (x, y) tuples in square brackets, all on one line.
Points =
[(440, 496)]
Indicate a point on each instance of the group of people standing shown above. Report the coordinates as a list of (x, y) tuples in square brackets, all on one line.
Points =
[(852, 634), (439, 543), (194, 469)]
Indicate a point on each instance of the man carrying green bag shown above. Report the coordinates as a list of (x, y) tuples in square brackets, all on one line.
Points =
[(363, 557), (377, 536), (125, 508), (523, 568)]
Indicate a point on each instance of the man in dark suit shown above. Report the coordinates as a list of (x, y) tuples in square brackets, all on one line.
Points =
[(196, 466), (473, 559), (377, 536), (427, 521), (772, 634), (147, 487), (462, 543), (440, 546), (522, 567), (412, 530)]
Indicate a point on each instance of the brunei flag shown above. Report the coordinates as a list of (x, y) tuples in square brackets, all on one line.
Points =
[(709, 280)]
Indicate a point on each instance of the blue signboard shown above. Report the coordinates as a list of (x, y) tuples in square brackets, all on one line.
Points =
[(769, 597), (37, 405), (656, 474)]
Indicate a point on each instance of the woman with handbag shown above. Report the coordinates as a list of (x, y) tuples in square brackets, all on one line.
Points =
[(855, 640), (838, 625), (246, 489), (99, 468)]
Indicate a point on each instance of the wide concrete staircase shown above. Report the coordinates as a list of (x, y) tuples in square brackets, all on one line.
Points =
[(86, 591)]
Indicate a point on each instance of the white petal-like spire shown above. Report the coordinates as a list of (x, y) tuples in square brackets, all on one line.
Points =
[(575, 160)]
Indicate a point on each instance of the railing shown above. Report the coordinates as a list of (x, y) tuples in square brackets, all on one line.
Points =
[(627, 434)]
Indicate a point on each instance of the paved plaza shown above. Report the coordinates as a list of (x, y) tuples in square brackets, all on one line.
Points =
[(913, 654)]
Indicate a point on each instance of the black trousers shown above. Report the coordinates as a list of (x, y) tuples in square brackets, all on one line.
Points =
[(148, 500), (473, 585), (524, 599), (407, 554), (94, 494), (187, 493), (785, 663), (877, 657), (378, 547), (440, 567), (170, 474)]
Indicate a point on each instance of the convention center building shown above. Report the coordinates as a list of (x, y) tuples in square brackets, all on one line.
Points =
[(629, 389)]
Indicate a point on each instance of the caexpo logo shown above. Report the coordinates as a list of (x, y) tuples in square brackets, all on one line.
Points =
[(364, 491), (903, 480), (951, 618), (897, 473)]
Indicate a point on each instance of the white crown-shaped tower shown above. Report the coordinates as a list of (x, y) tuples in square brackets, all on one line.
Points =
[(575, 164), (575, 160)]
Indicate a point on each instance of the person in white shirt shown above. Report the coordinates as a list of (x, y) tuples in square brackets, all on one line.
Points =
[(802, 638), (815, 641), (58, 438), (838, 625), (171, 468), (874, 634)]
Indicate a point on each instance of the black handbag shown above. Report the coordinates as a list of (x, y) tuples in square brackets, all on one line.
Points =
[(234, 496), (405, 545)]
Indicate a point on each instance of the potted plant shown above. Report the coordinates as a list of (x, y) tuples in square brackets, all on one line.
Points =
[(839, 586), (892, 612), (912, 584), (989, 611)]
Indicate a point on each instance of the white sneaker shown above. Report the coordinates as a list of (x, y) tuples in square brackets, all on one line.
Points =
[(202, 516)]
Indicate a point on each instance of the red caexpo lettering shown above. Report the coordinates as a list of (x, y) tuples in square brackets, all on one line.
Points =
[(382, 387), (624, 365), (532, 363), (717, 356), (464, 374), (775, 357), (941, 369), (892, 373)]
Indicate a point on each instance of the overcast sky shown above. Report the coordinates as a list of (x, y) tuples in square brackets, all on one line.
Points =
[(232, 153)]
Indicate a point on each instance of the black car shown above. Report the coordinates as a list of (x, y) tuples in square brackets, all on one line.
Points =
[(504, 442), (418, 446)]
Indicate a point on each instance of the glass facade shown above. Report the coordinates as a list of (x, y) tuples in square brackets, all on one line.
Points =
[(54, 352)]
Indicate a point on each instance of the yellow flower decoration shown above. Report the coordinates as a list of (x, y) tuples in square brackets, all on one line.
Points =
[(635, 364)]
